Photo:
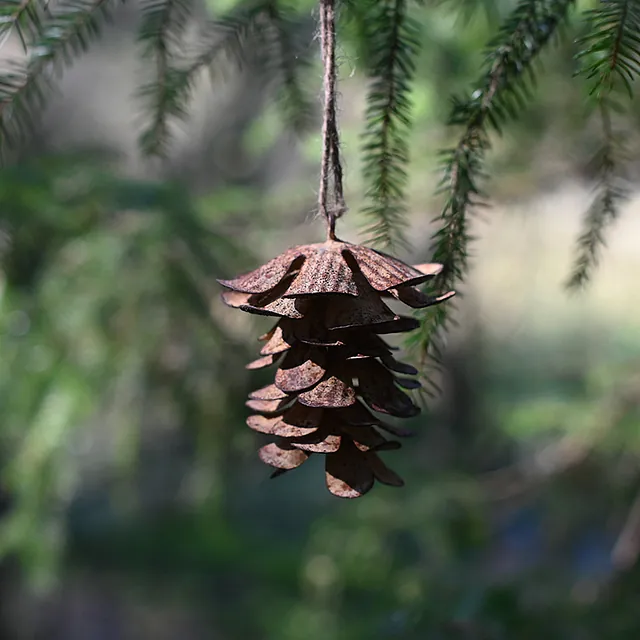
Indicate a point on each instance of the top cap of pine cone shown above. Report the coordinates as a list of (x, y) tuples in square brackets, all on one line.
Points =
[(329, 268)]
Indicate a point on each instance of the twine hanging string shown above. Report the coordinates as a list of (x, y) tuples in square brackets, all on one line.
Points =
[(331, 169)]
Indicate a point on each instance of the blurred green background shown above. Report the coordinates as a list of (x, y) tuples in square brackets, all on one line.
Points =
[(133, 503)]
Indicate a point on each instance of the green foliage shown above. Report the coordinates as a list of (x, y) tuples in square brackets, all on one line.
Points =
[(605, 208), (161, 35), (468, 8), (611, 52), (54, 39), (390, 38), (499, 95), (22, 15), (104, 278), (121, 385), (287, 59), (271, 25), (393, 42), (50, 39), (610, 63)]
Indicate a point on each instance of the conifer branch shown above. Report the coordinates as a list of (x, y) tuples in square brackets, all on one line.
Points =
[(23, 16), (611, 62), (223, 37), (285, 60), (499, 93), (163, 25), (603, 210), (169, 94), (66, 33), (394, 41)]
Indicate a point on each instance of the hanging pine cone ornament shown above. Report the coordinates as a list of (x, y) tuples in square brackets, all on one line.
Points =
[(334, 374), (332, 368)]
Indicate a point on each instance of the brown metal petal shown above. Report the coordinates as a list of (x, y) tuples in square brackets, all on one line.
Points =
[(261, 363), (377, 387), (400, 367), (330, 393), (267, 276), (281, 458), (402, 325), (389, 400), (301, 368), (364, 342), (347, 473), (358, 415), (282, 307), (367, 344), (344, 312), (268, 406), (311, 329), (270, 392), (267, 336), (318, 442), (235, 299), (286, 308), (324, 272), (384, 271), (364, 438), (414, 298), (304, 417), (322, 339), (276, 342), (277, 426), (382, 472)]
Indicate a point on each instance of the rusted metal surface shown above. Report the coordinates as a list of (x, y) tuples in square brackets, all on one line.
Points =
[(343, 313), (261, 363), (277, 426), (267, 406), (402, 325), (347, 473), (324, 272), (267, 276), (275, 455), (383, 271), (364, 438), (304, 417), (322, 441), (282, 307), (302, 367), (415, 299), (328, 267), (331, 393), (276, 343), (331, 359), (270, 392), (377, 386)]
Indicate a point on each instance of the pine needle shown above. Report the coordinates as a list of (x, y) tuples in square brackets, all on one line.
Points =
[(497, 98), (66, 33), (610, 63), (394, 43)]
